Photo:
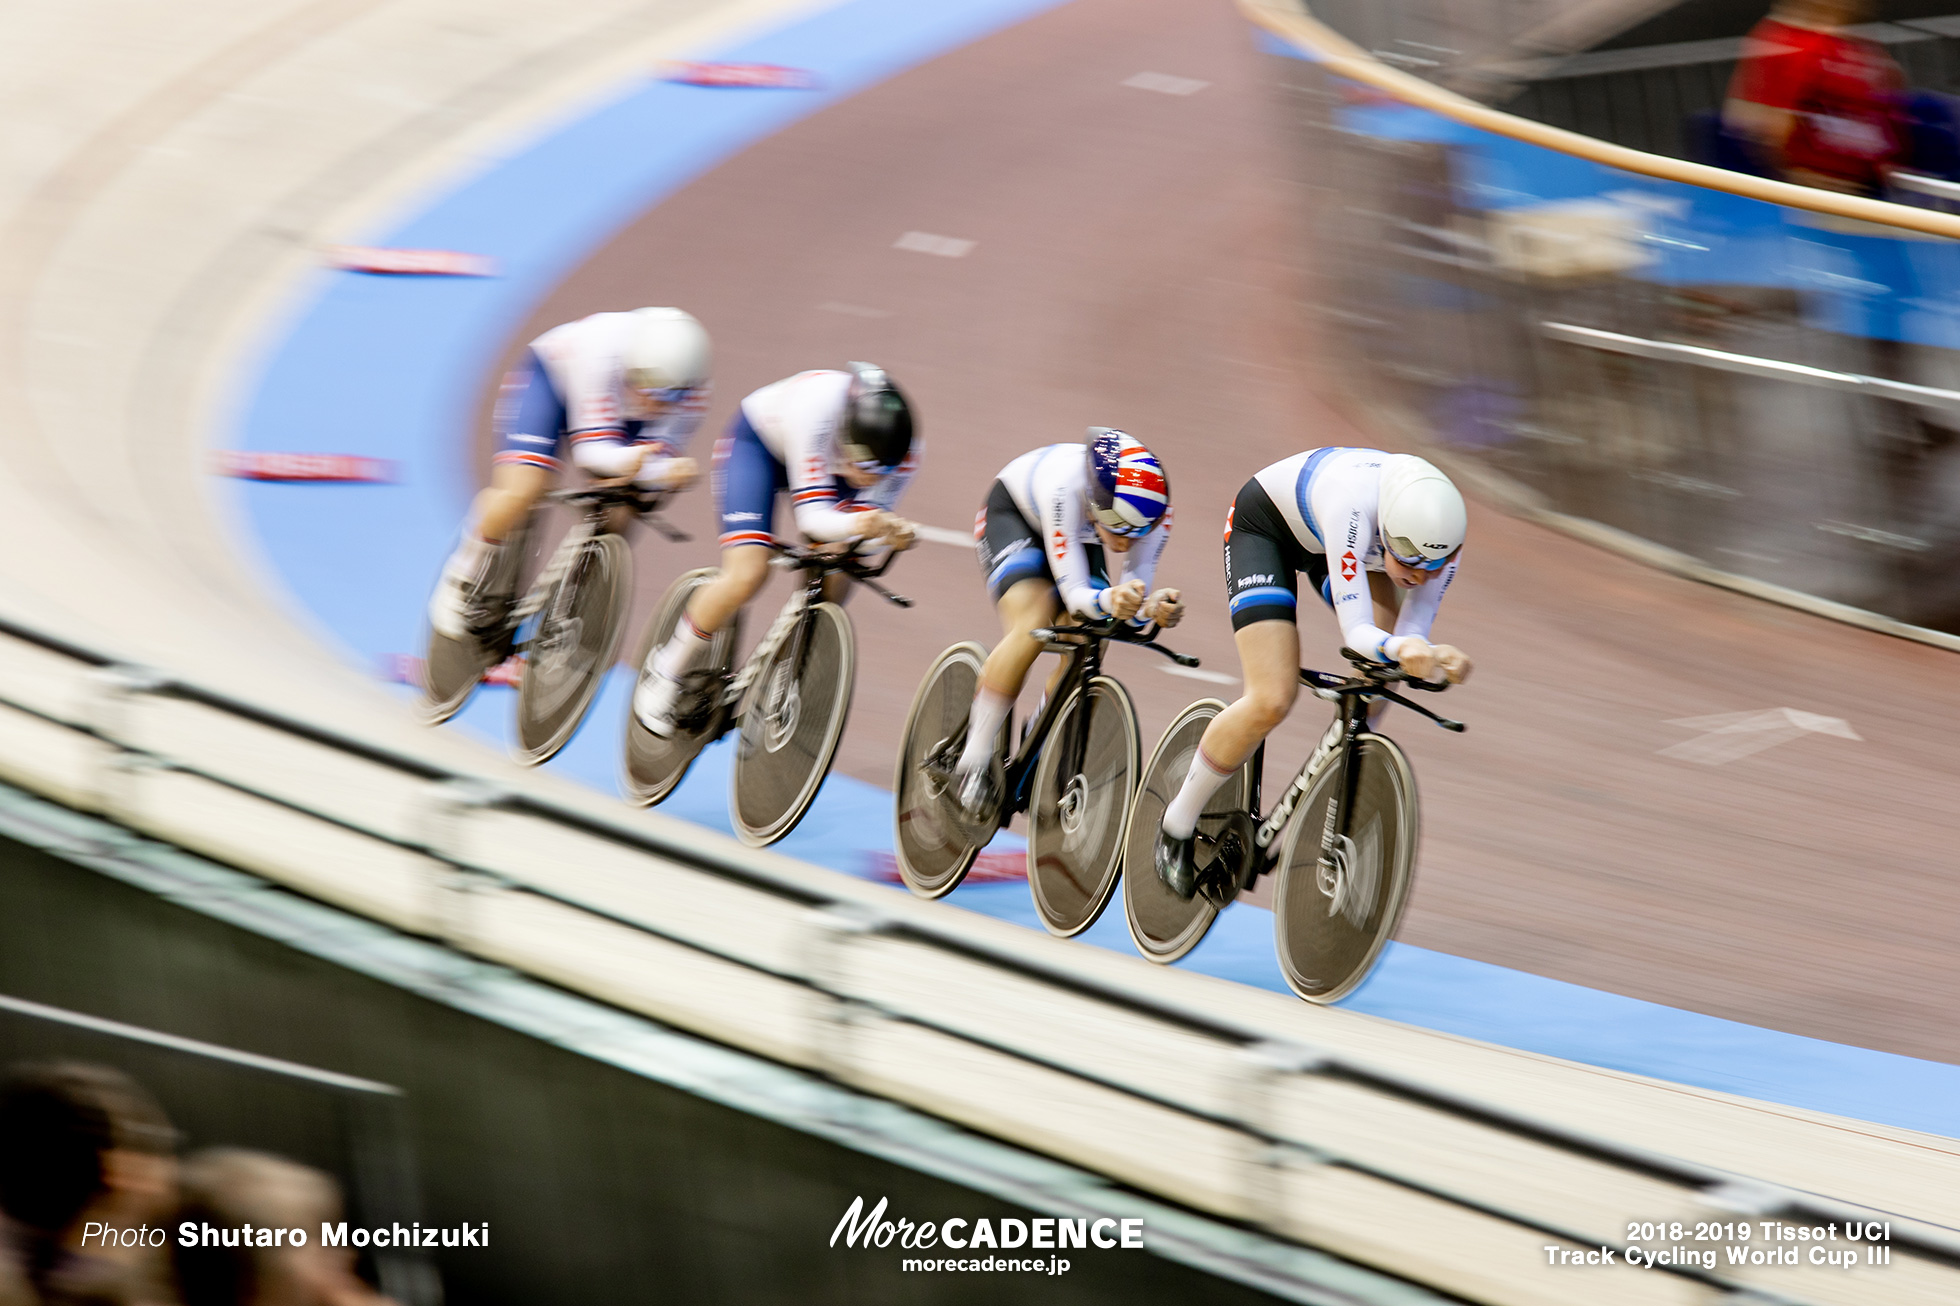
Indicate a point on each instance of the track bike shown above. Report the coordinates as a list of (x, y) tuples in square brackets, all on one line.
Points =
[(1073, 773), (566, 626), (789, 700), (1341, 839)]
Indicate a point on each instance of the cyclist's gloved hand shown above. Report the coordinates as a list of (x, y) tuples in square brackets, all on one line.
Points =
[(669, 474), (1164, 607), (1432, 662), (899, 534), (1123, 601)]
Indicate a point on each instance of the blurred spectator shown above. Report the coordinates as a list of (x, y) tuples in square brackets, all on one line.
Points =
[(228, 1188), (86, 1162), (1819, 106)]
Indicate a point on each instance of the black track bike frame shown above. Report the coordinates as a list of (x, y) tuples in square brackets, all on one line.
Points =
[(1083, 647), (817, 568), (595, 505), (1257, 842)]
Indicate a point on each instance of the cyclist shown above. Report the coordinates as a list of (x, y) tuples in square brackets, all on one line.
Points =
[(1053, 520), (629, 388), (841, 445), (1381, 536)]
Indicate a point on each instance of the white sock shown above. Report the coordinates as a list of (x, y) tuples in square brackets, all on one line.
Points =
[(1200, 783), (983, 726), (470, 553), (683, 646)]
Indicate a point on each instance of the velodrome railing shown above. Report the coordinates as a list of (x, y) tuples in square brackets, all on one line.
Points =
[(1306, 1144), (1761, 378)]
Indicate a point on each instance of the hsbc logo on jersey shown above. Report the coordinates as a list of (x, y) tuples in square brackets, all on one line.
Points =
[(1348, 566), (1061, 544)]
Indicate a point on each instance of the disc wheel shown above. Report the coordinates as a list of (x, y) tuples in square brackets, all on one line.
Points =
[(1082, 789), (935, 845), (1164, 926), (451, 671), (573, 645), (1332, 922), (653, 767), (792, 718), (453, 668)]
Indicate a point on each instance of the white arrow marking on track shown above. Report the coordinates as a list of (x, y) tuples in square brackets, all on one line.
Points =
[(924, 242), (1166, 83), (1728, 736)]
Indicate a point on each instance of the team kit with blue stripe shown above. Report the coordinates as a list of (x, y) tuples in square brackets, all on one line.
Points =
[(1317, 512), (1035, 524)]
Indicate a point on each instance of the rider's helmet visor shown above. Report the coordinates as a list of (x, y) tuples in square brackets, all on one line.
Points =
[(1395, 545)]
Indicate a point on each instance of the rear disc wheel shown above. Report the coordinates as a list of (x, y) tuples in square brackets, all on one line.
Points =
[(573, 646), (1082, 789), (1164, 926), (453, 668), (653, 766), (933, 843)]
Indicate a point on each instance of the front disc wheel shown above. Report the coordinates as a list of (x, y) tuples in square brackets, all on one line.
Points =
[(1333, 915), (791, 722)]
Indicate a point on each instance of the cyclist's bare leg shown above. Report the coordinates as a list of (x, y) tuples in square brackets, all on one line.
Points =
[(744, 571), (1269, 657), (503, 505), (1027, 606)]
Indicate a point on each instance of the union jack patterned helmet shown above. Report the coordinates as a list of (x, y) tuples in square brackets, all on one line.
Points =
[(1128, 493)]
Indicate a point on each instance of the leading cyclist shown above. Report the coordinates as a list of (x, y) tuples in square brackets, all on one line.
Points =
[(629, 388), (841, 445), (1380, 535), (1050, 523)]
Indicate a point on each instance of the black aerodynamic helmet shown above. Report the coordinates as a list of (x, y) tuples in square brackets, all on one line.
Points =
[(877, 429)]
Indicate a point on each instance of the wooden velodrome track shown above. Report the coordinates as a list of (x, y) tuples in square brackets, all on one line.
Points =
[(1135, 264)]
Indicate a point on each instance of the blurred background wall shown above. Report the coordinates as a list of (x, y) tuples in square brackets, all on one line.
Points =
[(1770, 391)]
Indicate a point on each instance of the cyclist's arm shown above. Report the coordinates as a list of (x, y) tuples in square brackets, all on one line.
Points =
[(605, 453), (1354, 606), (590, 384), (666, 442), (1140, 563), (1346, 524), (820, 512), (1061, 539), (1419, 609)]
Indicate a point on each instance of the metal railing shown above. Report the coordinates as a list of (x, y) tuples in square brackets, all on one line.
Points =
[(1758, 377)]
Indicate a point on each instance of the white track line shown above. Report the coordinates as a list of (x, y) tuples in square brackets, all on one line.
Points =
[(924, 242), (941, 535)]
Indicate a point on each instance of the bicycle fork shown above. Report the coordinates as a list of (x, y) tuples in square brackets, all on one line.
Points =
[(1333, 868)]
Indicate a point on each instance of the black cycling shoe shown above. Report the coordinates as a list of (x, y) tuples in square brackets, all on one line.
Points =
[(1177, 864), (700, 694), (485, 615)]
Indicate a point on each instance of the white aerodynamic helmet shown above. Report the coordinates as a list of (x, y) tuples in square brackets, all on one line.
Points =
[(1421, 514), (668, 350)]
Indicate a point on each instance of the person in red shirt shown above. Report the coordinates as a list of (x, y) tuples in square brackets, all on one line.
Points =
[(1823, 107)]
